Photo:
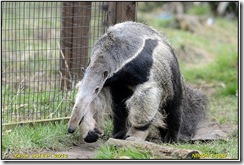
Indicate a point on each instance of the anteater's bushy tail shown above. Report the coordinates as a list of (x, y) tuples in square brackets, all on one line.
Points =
[(194, 107)]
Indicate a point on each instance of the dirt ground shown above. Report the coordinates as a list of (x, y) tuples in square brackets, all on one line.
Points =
[(81, 151)]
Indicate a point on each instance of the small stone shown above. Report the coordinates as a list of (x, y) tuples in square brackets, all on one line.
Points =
[(124, 157)]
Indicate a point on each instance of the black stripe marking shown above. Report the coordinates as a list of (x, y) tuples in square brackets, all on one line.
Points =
[(136, 71), (81, 120), (143, 128)]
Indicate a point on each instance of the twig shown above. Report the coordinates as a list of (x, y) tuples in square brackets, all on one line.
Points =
[(20, 86), (65, 62), (5, 70), (19, 90), (51, 115)]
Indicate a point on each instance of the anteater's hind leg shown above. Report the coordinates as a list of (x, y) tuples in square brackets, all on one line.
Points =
[(173, 121)]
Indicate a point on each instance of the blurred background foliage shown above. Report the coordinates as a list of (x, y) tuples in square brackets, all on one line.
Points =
[(205, 36)]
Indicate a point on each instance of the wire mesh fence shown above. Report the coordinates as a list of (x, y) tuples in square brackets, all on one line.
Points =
[(39, 40)]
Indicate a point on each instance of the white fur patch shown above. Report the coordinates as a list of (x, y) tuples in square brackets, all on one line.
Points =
[(144, 104)]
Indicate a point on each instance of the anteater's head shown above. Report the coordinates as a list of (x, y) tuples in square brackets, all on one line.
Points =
[(94, 78), (108, 56)]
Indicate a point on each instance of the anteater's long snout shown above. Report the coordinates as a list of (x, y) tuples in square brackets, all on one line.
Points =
[(79, 110), (72, 130)]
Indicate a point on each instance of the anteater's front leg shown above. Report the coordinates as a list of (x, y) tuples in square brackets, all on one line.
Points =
[(143, 107), (120, 93)]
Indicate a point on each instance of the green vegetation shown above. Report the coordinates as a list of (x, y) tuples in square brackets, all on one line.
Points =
[(217, 59), (26, 139), (218, 149), (30, 105), (225, 149), (202, 9), (113, 152)]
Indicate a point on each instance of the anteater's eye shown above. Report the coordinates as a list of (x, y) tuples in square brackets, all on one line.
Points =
[(105, 74), (96, 90)]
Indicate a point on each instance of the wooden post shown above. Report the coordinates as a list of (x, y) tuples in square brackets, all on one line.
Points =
[(80, 44), (111, 13), (66, 44), (74, 41), (121, 11)]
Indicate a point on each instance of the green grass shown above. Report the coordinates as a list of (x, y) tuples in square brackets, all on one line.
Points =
[(25, 139), (113, 152), (202, 9), (217, 149), (224, 70), (224, 109), (211, 150), (218, 61), (108, 128), (28, 105)]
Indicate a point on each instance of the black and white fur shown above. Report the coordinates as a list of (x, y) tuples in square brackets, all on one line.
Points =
[(135, 69)]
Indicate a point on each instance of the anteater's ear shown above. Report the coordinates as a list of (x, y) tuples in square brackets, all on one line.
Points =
[(105, 74)]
